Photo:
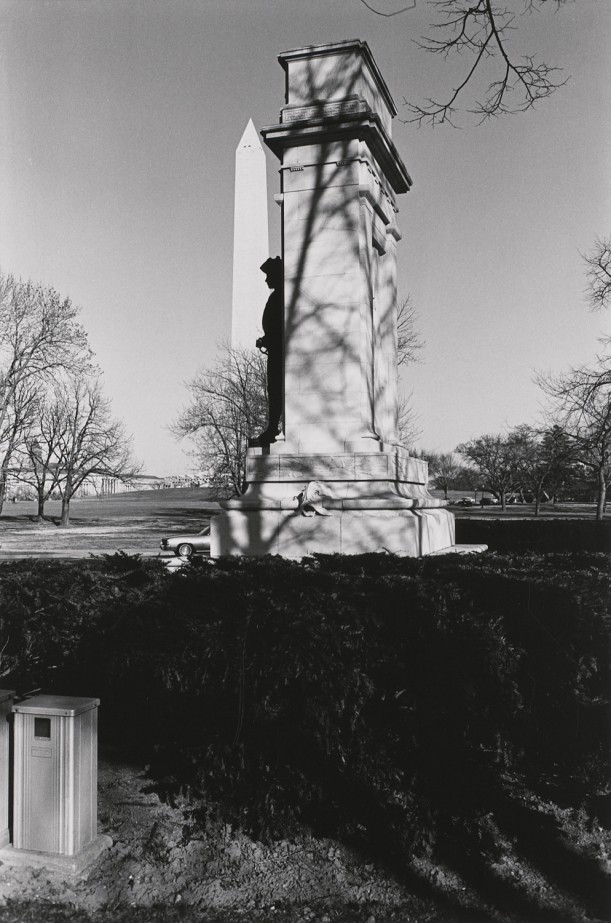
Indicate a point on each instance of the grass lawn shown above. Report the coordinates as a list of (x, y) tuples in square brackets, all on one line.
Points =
[(135, 522), (132, 522)]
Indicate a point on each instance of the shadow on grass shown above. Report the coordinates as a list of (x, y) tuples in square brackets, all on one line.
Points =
[(184, 513), (28, 519), (547, 876), (541, 841)]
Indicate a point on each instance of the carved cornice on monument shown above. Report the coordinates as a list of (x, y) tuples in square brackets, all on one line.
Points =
[(355, 45), (350, 118)]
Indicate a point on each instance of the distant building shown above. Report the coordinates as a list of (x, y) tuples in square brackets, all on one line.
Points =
[(103, 485)]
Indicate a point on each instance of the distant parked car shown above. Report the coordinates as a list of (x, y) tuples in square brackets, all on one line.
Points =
[(186, 545), (465, 501), (488, 501)]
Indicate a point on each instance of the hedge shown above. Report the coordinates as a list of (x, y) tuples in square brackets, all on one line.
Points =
[(536, 535), (377, 696)]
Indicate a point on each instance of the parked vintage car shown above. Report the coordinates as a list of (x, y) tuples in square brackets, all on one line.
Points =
[(185, 545), (465, 501), (488, 501)]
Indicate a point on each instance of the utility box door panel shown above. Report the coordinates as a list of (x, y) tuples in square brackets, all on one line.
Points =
[(55, 783)]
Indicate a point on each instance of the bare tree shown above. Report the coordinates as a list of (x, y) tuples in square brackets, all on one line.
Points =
[(87, 440), (409, 342), (228, 405), (40, 451), (39, 335), (408, 421), (479, 31), (496, 458), (409, 347), (444, 468), (18, 419), (545, 461), (581, 407), (598, 274)]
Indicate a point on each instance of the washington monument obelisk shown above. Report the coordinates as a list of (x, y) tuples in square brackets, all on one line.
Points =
[(250, 240)]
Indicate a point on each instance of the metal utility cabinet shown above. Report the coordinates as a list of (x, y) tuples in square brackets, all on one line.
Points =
[(55, 777), (6, 703)]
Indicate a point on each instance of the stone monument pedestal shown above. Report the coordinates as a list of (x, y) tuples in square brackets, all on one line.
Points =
[(360, 501), (411, 533), (337, 480)]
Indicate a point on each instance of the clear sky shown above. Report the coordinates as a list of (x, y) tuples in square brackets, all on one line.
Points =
[(119, 121)]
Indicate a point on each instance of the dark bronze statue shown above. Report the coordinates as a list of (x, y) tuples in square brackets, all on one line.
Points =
[(271, 343)]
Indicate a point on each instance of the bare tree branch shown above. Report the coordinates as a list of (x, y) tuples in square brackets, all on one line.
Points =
[(481, 29), (408, 422), (404, 9), (598, 274), (39, 334), (409, 341)]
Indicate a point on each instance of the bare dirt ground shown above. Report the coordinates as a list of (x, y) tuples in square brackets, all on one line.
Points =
[(155, 861), (160, 870)]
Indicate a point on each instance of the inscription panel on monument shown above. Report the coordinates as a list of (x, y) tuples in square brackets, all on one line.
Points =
[(348, 467), (327, 467), (324, 111), (341, 467)]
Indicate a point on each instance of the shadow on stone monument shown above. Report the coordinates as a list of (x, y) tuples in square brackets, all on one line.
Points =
[(340, 177)]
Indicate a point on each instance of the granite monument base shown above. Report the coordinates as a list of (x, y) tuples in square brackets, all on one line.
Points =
[(408, 532), (364, 497)]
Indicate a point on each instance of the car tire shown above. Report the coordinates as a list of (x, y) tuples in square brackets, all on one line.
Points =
[(184, 550)]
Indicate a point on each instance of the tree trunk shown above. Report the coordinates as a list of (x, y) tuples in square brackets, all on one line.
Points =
[(2, 488), (65, 518), (537, 503), (40, 514), (601, 500)]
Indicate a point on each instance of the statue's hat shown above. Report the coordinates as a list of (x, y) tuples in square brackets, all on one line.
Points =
[(272, 264)]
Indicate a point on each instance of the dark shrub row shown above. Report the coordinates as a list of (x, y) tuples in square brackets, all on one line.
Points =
[(538, 535), (373, 695)]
